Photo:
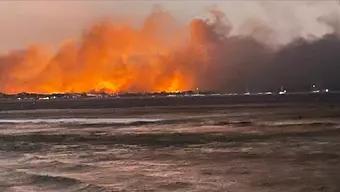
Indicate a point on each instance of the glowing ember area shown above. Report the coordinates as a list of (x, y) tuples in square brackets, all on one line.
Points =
[(158, 56)]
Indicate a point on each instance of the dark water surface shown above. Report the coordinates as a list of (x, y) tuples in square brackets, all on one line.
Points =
[(241, 148)]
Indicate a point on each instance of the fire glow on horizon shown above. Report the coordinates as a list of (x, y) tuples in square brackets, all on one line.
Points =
[(109, 57)]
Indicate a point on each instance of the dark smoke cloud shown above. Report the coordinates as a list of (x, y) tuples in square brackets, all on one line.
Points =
[(241, 63), (302, 63)]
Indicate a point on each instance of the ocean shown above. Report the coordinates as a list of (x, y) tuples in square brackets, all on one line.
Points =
[(271, 147)]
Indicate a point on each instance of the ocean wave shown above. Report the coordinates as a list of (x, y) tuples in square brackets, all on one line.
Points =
[(55, 165), (11, 179), (311, 122), (162, 139), (81, 120)]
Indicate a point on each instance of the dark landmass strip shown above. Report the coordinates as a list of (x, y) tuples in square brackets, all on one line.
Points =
[(66, 101)]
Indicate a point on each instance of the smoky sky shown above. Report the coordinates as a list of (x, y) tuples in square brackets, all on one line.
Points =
[(51, 22), (244, 63)]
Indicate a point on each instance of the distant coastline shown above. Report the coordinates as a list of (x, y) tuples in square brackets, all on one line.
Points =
[(83, 101)]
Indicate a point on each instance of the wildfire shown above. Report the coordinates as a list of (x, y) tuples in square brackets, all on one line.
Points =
[(159, 56)]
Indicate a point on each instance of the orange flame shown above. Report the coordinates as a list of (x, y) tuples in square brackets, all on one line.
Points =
[(109, 57)]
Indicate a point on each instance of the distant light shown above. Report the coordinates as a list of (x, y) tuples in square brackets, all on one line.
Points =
[(216, 94), (171, 95), (326, 90), (231, 94), (283, 92), (43, 98)]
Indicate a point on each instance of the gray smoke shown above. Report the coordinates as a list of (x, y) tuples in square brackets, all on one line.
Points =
[(239, 63)]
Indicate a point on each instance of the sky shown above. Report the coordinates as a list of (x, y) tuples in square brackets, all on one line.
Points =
[(52, 22)]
